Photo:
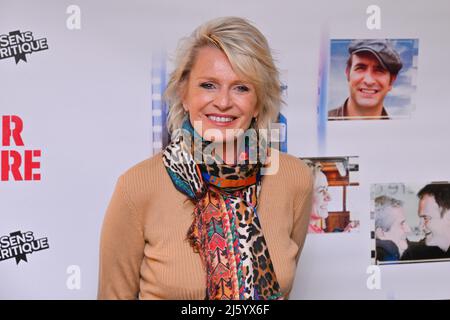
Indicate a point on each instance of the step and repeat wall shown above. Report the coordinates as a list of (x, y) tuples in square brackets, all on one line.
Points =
[(81, 85)]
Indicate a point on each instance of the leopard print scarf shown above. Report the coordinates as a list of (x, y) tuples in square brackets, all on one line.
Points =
[(226, 231)]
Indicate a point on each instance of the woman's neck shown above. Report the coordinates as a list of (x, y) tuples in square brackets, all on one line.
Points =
[(227, 151)]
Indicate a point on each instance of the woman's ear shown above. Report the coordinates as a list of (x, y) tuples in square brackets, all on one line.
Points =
[(182, 94), (256, 113)]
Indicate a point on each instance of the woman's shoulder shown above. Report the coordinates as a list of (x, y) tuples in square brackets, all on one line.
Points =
[(288, 174), (144, 177), (292, 178), (292, 161), (292, 169), (148, 167)]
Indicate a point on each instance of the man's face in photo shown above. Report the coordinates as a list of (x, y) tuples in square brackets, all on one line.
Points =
[(431, 222), (399, 228), (368, 80)]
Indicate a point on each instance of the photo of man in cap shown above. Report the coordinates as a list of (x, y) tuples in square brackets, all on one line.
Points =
[(372, 68)]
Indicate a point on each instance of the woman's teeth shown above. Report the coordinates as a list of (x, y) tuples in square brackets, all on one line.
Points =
[(221, 119)]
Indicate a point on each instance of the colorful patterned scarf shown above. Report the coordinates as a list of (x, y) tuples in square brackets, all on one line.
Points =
[(226, 231)]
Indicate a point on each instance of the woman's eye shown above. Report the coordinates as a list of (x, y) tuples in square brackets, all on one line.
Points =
[(207, 85), (243, 88)]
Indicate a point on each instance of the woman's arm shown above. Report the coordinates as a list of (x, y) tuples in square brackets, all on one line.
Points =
[(302, 208), (121, 248)]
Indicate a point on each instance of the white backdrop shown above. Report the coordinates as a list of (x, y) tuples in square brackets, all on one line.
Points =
[(86, 104)]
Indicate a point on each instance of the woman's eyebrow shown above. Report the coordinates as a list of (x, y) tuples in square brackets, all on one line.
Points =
[(209, 78)]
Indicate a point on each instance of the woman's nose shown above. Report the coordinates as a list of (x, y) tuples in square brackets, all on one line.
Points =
[(222, 99)]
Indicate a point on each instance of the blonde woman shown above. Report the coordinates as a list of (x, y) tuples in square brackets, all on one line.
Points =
[(321, 198), (191, 224)]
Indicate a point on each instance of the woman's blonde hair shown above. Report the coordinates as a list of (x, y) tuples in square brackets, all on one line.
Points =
[(249, 54)]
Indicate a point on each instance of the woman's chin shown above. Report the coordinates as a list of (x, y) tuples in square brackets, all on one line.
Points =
[(323, 215), (218, 134)]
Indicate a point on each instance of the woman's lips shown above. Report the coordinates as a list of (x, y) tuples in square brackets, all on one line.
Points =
[(221, 120)]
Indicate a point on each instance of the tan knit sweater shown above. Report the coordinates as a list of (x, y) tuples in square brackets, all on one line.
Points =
[(144, 252)]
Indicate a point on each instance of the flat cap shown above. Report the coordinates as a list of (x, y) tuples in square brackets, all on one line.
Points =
[(382, 49)]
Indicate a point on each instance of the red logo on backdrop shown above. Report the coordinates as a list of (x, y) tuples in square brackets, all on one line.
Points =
[(17, 163)]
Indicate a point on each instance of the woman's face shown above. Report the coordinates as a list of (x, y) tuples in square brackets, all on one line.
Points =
[(217, 98), (321, 195)]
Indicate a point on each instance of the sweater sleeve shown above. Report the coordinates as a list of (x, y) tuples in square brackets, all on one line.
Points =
[(121, 248), (302, 208)]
